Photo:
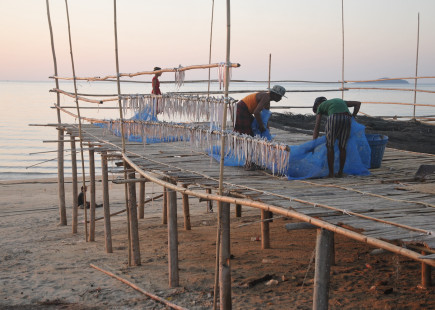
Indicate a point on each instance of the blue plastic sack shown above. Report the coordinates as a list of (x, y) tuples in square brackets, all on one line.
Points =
[(309, 160), (265, 115)]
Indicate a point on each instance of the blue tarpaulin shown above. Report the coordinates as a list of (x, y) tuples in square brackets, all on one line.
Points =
[(309, 160)]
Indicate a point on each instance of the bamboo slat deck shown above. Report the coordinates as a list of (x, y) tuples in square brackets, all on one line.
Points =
[(388, 213)]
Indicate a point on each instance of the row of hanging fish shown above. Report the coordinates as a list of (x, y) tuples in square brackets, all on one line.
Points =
[(238, 147), (178, 108)]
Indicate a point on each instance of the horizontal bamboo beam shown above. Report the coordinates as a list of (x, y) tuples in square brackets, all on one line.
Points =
[(86, 108), (398, 89), (137, 288), (55, 90), (130, 181), (289, 213), (180, 69), (122, 211), (398, 103)]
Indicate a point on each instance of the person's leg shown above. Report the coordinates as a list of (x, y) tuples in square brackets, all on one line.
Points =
[(330, 139), (330, 155), (342, 161), (343, 136)]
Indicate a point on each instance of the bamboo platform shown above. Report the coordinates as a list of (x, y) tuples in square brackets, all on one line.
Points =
[(378, 206)]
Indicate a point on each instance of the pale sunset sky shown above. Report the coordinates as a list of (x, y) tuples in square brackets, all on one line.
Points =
[(304, 37)]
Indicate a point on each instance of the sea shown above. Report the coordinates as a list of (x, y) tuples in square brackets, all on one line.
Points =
[(28, 142)]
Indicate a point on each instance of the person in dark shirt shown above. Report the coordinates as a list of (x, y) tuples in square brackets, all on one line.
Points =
[(81, 198)]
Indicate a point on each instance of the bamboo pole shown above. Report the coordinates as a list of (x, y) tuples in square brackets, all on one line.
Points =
[(192, 67), (270, 70), (416, 62), (92, 198), (117, 76), (155, 297), (265, 233), (106, 204), (426, 273), (288, 213), (80, 123), (221, 165), (342, 49), (141, 199), (225, 262), (74, 185), (172, 239), (134, 229), (122, 132), (186, 210), (165, 206), (127, 208), (122, 211), (211, 40), (238, 210), (398, 89), (61, 134), (209, 202), (322, 269), (58, 91)]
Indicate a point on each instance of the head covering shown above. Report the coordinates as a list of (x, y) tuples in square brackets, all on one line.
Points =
[(279, 90), (317, 102), (157, 68)]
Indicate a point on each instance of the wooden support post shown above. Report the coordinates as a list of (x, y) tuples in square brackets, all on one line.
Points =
[(74, 185), (61, 179), (92, 198), (332, 245), (224, 261), (61, 135), (165, 206), (238, 210), (265, 235), (323, 267), (134, 229), (426, 273), (106, 205), (172, 238), (141, 199), (209, 202), (186, 210)]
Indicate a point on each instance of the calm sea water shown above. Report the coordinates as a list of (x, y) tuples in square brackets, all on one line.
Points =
[(26, 103)]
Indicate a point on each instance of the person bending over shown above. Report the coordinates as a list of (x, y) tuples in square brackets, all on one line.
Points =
[(337, 126), (250, 107)]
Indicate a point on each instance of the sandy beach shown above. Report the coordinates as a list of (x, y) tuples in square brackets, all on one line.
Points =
[(45, 266)]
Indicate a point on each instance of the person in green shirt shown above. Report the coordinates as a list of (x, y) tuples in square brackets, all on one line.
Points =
[(337, 127)]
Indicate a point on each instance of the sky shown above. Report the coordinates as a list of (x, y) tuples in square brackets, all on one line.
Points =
[(303, 37)]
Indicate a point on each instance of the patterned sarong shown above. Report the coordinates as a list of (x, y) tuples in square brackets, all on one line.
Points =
[(244, 119), (338, 127)]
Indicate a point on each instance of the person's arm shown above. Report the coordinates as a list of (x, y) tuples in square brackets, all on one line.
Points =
[(263, 100), (356, 106), (317, 126)]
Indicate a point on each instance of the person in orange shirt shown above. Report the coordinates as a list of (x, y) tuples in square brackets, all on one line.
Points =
[(252, 105)]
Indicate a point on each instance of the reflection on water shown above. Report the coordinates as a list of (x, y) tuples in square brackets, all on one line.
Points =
[(24, 103)]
